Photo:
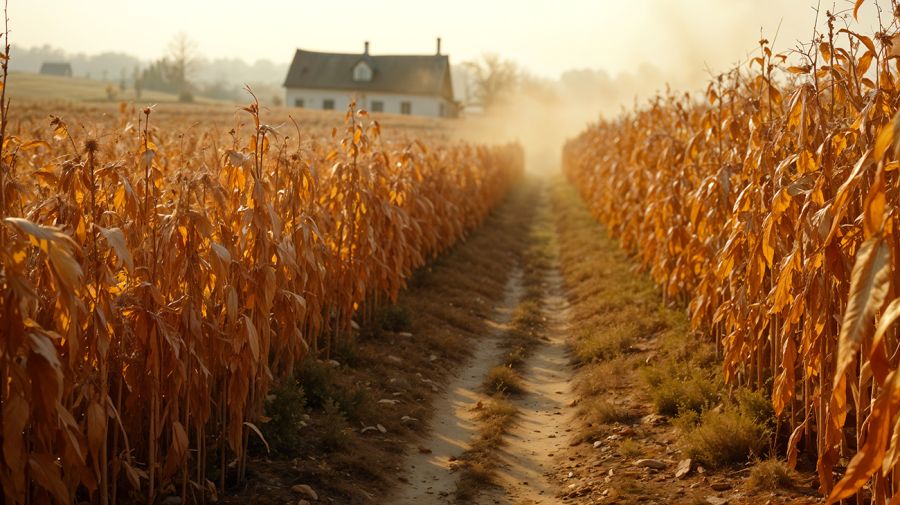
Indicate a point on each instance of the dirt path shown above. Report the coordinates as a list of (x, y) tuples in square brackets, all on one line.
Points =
[(428, 475), (541, 433)]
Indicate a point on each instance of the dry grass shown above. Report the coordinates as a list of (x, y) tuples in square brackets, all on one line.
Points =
[(475, 476), (603, 345), (478, 463), (630, 449), (606, 412), (725, 437), (494, 418), (673, 393), (502, 379), (605, 376), (770, 475), (627, 335)]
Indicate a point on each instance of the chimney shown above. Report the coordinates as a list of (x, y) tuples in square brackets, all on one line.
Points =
[(367, 48), (438, 46)]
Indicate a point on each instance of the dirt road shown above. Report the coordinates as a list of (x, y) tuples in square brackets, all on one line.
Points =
[(541, 431)]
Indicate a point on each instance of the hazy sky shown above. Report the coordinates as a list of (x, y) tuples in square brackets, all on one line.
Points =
[(546, 36)]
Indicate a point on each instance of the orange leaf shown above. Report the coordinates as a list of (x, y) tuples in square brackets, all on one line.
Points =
[(868, 290)]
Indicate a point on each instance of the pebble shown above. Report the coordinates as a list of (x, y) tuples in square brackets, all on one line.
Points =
[(683, 469), (651, 463)]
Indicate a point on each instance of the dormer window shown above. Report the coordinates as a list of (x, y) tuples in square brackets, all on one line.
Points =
[(362, 72)]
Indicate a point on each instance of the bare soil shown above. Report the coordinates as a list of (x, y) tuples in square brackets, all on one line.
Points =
[(428, 473), (541, 436)]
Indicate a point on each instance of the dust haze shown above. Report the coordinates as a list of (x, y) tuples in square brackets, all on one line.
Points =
[(542, 114), (692, 41)]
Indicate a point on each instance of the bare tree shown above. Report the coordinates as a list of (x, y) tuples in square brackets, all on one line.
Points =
[(492, 79), (182, 58)]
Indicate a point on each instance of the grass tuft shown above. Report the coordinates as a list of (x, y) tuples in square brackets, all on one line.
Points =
[(630, 449), (769, 475), (504, 380), (725, 437), (603, 411), (672, 394), (474, 477)]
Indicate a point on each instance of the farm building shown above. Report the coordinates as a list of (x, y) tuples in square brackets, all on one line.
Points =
[(57, 68), (398, 84)]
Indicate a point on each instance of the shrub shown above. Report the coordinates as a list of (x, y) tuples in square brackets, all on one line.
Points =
[(334, 433), (321, 385), (285, 407), (672, 395), (725, 437)]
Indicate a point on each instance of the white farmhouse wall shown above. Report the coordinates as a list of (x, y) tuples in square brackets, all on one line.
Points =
[(421, 105)]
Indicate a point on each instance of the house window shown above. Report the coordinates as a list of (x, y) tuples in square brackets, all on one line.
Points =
[(405, 108), (362, 72), (328, 104), (298, 102), (377, 106)]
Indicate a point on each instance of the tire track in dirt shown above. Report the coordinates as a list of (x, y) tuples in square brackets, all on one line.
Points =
[(428, 478), (541, 434)]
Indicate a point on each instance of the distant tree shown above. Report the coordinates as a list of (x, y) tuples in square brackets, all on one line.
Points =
[(182, 59), (136, 81), (158, 76), (492, 79)]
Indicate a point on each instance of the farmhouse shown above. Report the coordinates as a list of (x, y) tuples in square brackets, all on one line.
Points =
[(397, 84), (57, 68)]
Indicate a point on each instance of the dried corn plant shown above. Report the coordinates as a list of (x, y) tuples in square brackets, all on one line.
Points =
[(158, 278), (771, 208)]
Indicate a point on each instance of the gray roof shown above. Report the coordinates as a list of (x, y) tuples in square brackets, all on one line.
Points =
[(427, 75), (56, 68)]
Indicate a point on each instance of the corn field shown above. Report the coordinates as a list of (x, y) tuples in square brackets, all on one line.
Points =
[(157, 279), (771, 208)]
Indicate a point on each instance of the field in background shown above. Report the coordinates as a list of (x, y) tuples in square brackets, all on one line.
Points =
[(227, 115), (23, 86)]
